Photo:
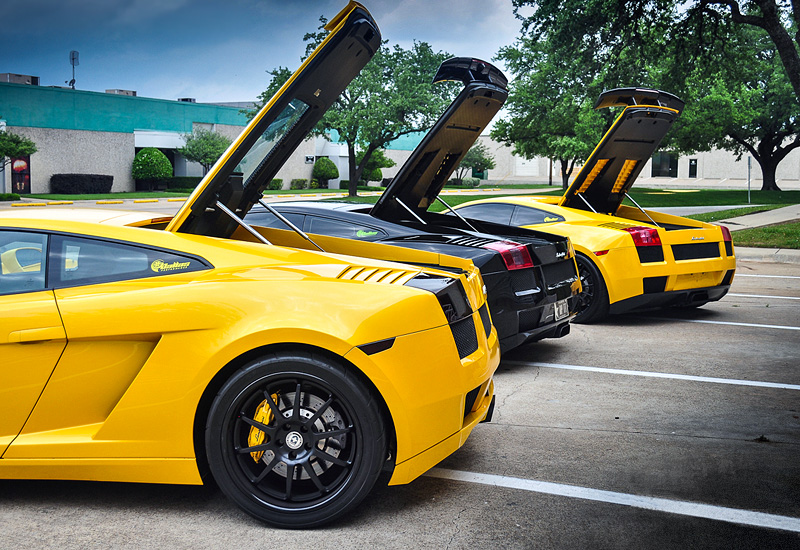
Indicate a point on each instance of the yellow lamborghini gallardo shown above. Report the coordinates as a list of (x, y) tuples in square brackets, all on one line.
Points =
[(294, 377), (629, 258)]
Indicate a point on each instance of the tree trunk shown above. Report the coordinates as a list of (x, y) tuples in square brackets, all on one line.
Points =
[(768, 168), (564, 173), (352, 185)]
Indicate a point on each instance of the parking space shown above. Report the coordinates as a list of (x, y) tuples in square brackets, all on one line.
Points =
[(671, 429)]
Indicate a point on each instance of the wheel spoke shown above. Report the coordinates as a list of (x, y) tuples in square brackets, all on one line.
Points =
[(270, 431), (273, 406), (255, 448), (324, 407), (267, 469), (309, 468), (322, 455), (332, 433), (296, 405), (289, 480)]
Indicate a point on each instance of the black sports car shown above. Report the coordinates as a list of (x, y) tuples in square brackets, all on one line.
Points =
[(529, 286), (530, 276)]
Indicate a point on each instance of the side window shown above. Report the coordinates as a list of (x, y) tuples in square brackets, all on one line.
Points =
[(488, 212), (22, 261), (337, 228), (524, 215), (78, 261), (268, 219)]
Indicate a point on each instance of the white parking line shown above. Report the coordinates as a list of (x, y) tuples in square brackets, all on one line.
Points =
[(763, 296), (770, 276), (730, 323), (647, 374), (683, 508)]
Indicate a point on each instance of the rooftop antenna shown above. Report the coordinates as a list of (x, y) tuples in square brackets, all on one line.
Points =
[(73, 60)]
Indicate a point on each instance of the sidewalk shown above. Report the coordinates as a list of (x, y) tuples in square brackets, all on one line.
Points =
[(772, 217)]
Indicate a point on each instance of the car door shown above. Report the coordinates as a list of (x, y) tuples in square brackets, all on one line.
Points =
[(32, 336), (115, 308)]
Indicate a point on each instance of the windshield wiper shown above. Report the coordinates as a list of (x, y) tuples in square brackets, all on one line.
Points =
[(459, 216), (292, 226)]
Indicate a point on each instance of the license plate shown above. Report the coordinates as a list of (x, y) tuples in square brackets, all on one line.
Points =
[(562, 309)]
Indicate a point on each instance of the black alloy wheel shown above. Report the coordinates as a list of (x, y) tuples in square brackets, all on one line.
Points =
[(295, 439), (592, 303)]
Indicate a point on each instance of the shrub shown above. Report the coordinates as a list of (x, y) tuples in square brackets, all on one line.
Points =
[(150, 163), (299, 184), (470, 182), (324, 170), (161, 184), (275, 185), (80, 184), (9, 197)]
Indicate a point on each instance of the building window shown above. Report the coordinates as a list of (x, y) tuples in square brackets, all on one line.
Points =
[(665, 165)]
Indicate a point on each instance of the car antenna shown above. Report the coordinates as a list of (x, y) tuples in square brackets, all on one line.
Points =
[(292, 226), (643, 211), (410, 211), (459, 216)]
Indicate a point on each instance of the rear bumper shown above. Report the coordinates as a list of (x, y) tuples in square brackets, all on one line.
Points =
[(674, 298)]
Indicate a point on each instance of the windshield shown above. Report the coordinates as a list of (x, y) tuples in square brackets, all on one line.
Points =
[(260, 152)]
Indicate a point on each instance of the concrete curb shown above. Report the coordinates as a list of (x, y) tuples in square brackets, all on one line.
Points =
[(776, 255)]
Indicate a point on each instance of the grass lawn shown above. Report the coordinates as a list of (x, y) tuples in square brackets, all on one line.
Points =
[(166, 194), (785, 235), (733, 213)]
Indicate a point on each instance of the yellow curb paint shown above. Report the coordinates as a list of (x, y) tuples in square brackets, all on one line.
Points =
[(176, 200), (145, 200), (110, 202), (54, 203), (28, 204)]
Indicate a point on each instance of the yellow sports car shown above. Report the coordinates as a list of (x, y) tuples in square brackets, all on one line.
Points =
[(294, 377), (628, 258)]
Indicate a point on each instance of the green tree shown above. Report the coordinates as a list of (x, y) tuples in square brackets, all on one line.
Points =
[(204, 147), (743, 104), (549, 108), (733, 50), (392, 97), (151, 163), (14, 146), (324, 170), (373, 166), (478, 158), (279, 78)]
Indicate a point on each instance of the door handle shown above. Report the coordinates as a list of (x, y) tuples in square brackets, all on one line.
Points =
[(37, 335)]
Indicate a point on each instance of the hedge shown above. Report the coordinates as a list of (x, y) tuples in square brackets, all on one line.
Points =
[(160, 184), (80, 184), (9, 197), (299, 184)]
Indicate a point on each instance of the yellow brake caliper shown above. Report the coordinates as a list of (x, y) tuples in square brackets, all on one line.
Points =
[(264, 416)]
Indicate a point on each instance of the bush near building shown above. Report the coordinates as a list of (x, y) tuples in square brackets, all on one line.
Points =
[(324, 170), (275, 184), (299, 183), (80, 184), (150, 163)]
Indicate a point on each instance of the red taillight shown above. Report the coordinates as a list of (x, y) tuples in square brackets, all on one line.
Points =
[(644, 236), (516, 256), (726, 233)]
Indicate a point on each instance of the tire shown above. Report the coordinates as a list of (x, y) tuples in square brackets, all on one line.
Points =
[(317, 462), (593, 299)]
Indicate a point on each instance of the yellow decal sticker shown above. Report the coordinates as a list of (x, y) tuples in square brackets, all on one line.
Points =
[(550, 219), (160, 266)]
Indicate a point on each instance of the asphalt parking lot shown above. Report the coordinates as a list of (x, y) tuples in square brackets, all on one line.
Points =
[(672, 429)]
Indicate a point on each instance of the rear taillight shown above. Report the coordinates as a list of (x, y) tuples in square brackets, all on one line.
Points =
[(516, 256), (644, 236), (726, 233)]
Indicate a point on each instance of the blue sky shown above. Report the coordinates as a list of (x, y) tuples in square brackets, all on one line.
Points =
[(216, 50)]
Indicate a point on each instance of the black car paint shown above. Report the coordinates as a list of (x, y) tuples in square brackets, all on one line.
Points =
[(521, 302)]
